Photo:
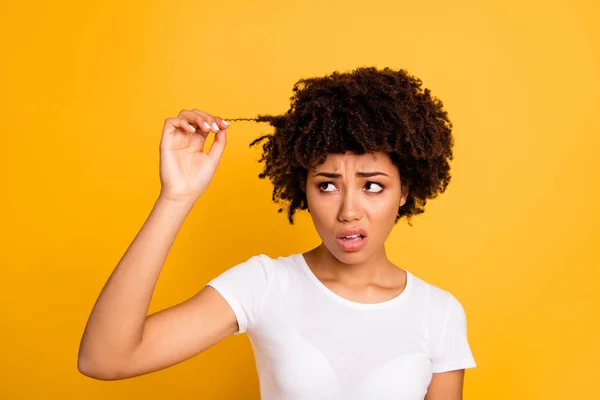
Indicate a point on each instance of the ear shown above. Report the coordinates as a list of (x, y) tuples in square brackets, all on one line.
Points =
[(403, 194)]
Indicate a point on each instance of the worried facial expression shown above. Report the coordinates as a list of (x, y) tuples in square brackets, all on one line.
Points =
[(353, 201)]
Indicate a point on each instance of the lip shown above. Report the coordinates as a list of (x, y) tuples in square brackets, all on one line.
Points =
[(351, 245), (350, 232)]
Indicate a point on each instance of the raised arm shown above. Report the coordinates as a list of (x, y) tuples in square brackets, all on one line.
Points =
[(120, 340)]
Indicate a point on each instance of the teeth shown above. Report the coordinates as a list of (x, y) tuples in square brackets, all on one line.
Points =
[(352, 237)]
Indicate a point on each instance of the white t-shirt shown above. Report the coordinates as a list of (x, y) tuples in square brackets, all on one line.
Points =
[(310, 343)]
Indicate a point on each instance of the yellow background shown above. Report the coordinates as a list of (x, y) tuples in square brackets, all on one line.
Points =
[(86, 87)]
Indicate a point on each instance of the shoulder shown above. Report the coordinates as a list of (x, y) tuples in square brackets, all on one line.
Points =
[(262, 260), (257, 263), (440, 302), (259, 266), (272, 263)]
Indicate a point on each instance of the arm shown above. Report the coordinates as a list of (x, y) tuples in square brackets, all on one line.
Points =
[(451, 352), (120, 340), (446, 386)]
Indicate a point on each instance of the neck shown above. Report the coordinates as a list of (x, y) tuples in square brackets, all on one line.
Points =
[(364, 272)]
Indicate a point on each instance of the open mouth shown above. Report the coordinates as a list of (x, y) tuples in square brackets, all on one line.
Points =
[(352, 242), (352, 238)]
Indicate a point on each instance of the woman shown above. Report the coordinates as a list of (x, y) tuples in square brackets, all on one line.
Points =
[(358, 151)]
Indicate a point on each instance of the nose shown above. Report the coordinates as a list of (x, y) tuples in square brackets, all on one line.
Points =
[(350, 207)]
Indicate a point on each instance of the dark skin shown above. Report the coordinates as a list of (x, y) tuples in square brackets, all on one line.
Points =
[(351, 201), (169, 336), (363, 111), (340, 198)]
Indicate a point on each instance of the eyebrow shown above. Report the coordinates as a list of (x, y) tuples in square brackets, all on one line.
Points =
[(359, 174)]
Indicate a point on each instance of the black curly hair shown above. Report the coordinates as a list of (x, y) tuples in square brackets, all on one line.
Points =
[(363, 111)]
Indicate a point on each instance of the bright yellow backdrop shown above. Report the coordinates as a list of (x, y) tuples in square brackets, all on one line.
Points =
[(86, 88)]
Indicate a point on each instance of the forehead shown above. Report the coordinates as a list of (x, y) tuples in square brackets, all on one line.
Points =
[(369, 161)]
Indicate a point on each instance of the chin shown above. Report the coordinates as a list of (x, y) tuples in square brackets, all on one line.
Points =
[(348, 257)]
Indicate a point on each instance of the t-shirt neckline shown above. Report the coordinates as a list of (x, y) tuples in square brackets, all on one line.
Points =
[(353, 304)]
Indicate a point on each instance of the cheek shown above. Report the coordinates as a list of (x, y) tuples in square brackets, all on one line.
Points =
[(382, 218), (319, 210), (382, 206), (322, 211)]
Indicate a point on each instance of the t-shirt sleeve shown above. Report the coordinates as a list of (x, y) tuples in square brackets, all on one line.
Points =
[(244, 287), (453, 351)]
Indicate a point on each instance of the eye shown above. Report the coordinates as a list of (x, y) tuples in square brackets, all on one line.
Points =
[(324, 184), (369, 185)]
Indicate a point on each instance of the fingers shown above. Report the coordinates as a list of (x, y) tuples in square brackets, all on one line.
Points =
[(196, 120), (219, 126), (216, 123), (205, 122), (216, 149), (172, 124)]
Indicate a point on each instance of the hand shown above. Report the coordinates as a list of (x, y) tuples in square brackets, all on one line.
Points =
[(185, 169)]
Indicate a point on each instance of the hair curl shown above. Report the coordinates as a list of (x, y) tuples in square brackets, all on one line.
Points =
[(363, 111)]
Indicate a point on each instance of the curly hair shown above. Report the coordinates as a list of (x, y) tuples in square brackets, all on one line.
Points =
[(363, 111)]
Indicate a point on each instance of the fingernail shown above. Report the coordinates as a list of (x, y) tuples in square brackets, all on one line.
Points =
[(215, 126), (225, 122), (206, 125), (194, 129)]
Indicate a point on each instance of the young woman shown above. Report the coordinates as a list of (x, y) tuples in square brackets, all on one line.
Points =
[(358, 151)]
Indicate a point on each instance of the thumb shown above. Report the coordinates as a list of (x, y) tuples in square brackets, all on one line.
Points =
[(218, 146)]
